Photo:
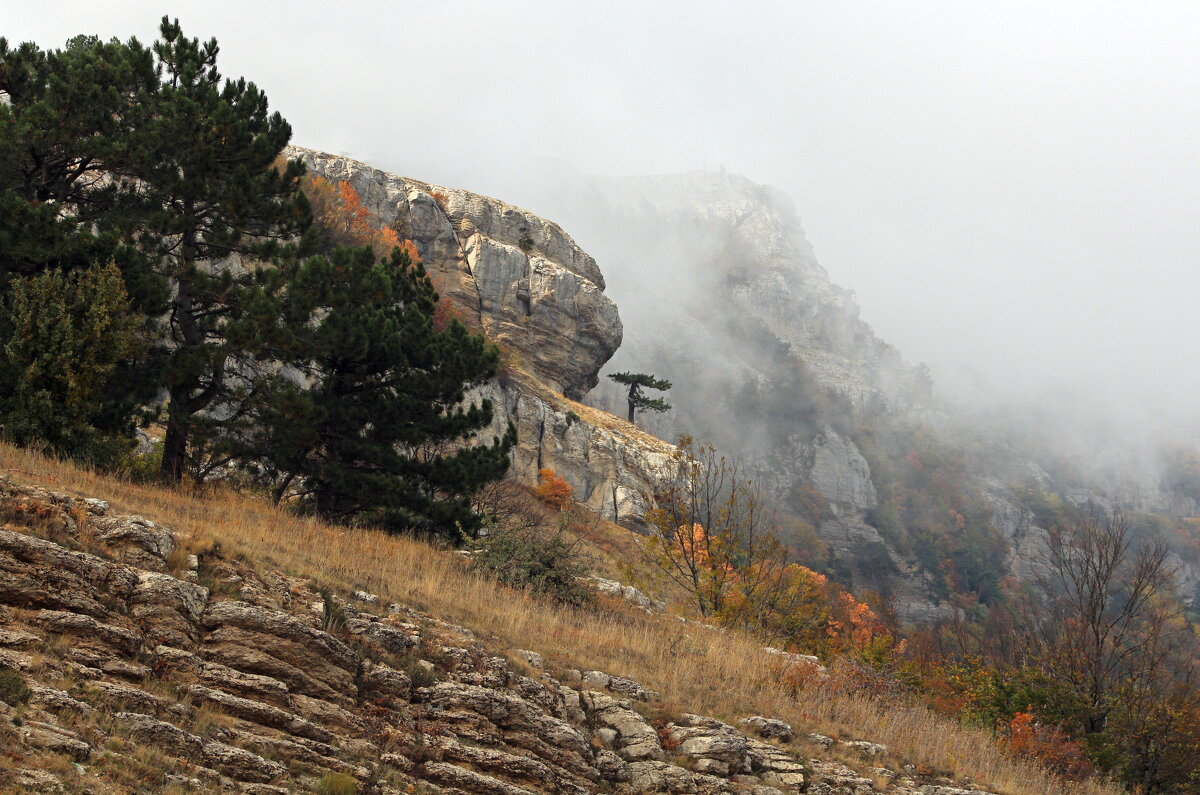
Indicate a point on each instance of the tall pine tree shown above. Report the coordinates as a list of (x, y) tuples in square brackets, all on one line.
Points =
[(371, 419), (66, 125), (216, 211)]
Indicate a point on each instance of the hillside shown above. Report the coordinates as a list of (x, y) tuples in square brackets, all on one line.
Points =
[(354, 507), (524, 282), (721, 293), (217, 643)]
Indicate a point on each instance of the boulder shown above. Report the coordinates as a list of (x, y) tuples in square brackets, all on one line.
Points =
[(768, 728), (633, 738), (712, 746)]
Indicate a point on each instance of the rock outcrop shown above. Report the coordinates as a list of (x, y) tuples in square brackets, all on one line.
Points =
[(524, 282), (840, 473), (120, 674), (518, 277)]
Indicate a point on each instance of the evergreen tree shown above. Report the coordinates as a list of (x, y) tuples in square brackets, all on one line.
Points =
[(204, 156), (636, 383), (65, 133), (369, 421), (64, 337), (66, 119)]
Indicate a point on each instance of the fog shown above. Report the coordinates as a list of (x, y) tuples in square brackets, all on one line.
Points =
[(1011, 188)]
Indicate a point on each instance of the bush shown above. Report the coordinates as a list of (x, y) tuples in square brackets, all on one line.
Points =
[(337, 784), (544, 561), (64, 362), (12, 687), (553, 490)]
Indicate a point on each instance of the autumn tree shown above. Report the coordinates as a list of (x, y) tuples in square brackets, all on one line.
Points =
[(1106, 606), (709, 529), (784, 604), (340, 217), (637, 400), (1106, 631), (553, 490)]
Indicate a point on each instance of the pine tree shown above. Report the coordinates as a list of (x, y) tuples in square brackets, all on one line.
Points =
[(636, 383), (64, 338), (204, 155), (65, 126), (369, 420)]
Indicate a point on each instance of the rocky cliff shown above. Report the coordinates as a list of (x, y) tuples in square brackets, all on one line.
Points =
[(524, 282), (721, 293), (127, 665), (687, 251)]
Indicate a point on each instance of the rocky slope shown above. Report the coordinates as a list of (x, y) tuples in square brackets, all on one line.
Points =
[(524, 282), (721, 293), (127, 665)]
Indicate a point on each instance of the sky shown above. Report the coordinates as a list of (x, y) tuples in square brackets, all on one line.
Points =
[(1012, 189)]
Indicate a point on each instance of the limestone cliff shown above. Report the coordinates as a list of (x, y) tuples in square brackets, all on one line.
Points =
[(524, 282), (518, 277), (721, 293), (685, 250)]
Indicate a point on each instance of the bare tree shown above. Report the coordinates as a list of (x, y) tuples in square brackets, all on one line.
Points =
[(1107, 613), (710, 531)]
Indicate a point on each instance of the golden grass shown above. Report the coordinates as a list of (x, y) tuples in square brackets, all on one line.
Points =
[(720, 674), (592, 416)]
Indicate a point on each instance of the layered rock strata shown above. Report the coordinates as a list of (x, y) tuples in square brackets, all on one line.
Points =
[(127, 666)]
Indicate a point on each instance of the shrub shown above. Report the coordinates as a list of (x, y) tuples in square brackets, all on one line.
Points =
[(553, 490), (64, 377), (12, 687), (337, 784), (546, 562), (1049, 745)]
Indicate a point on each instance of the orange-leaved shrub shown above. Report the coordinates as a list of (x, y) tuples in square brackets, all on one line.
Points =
[(1049, 745), (553, 490), (338, 209)]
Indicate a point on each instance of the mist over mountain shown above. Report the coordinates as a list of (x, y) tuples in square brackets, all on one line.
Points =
[(1008, 188)]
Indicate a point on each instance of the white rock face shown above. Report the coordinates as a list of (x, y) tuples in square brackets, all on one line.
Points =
[(522, 280), (518, 277), (612, 467), (840, 473)]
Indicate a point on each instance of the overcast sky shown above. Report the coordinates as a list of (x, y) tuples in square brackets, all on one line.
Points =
[(1012, 188)]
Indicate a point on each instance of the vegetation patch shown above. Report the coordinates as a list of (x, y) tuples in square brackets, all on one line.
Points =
[(13, 690)]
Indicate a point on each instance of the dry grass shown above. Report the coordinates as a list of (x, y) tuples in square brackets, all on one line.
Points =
[(719, 674), (592, 416)]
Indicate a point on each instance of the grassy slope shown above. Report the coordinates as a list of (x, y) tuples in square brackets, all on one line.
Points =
[(719, 674)]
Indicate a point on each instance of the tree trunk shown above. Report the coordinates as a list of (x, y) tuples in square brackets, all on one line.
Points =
[(282, 488), (632, 407), (175, 445)]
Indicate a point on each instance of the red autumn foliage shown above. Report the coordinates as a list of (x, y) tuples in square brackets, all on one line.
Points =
[(553, 490), (1049, 745), (340, 211)]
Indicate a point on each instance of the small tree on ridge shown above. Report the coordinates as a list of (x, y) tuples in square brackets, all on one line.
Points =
[(636, 383)]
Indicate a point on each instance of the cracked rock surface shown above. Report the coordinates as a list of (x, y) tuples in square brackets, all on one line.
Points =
[(134, 678)]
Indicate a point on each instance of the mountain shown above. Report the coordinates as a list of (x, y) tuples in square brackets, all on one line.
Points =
[(524, 282), (707, 280)]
